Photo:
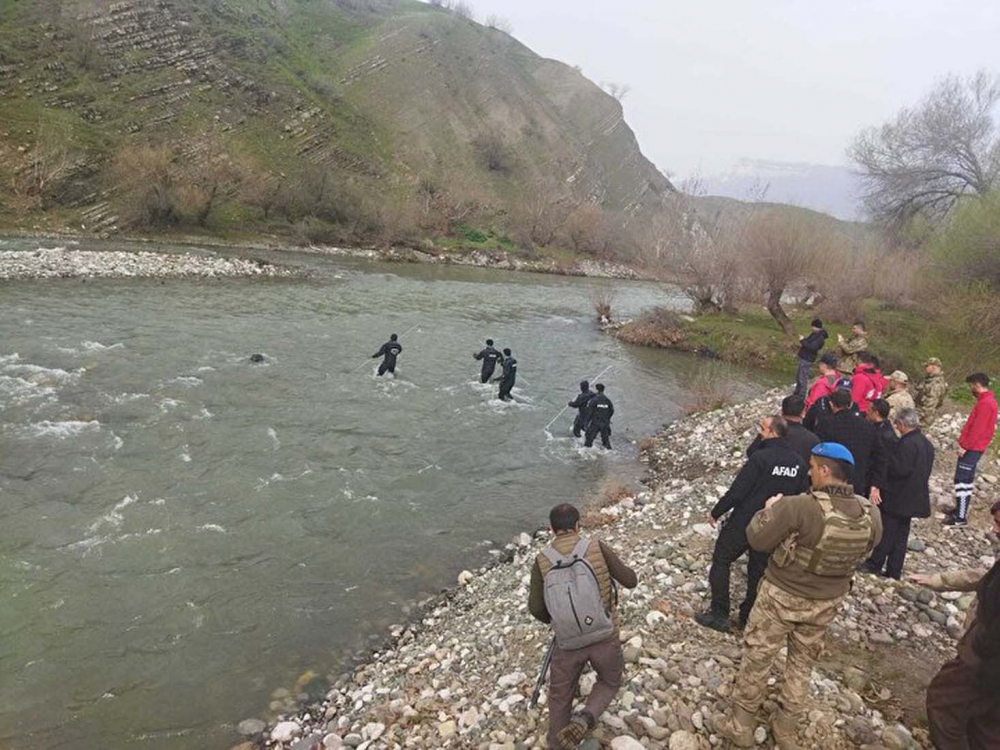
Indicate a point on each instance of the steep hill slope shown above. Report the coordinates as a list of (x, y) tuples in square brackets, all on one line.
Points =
[(257, 114)]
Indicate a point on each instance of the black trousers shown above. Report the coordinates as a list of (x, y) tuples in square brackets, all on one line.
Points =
[(486, 373), (386, 367), (579, 424), (506, 386), (891, 551), (593, 430), (730, 547)]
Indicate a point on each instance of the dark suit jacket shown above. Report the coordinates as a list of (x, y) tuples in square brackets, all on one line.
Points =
[(860, 437), (908, 471)]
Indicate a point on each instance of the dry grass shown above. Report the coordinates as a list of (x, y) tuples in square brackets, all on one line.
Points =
[(711, 389), (611, 492), (658, 327)]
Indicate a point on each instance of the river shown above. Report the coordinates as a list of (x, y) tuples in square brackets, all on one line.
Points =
[(183, 532)]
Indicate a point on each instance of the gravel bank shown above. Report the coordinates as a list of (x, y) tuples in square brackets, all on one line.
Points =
[(64, 263), (502, 261), (461, 676)]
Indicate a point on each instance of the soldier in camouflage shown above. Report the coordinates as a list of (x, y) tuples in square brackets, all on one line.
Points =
[(815, 541), (931, 392), (852, 347)]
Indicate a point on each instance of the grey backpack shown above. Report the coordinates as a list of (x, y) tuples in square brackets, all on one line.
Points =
[(573, 599)]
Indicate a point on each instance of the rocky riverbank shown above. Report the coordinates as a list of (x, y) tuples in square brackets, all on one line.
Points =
[(499, 260), (63, 263), (461, 676)]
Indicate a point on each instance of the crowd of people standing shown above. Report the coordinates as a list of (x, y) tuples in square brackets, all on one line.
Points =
[(829, 488)]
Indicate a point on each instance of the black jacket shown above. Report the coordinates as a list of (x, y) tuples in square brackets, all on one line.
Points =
[(799, 439), (811, 344), (510, 369), (600, 410), (887, 435), (860, 437), (490, 357), (773, 469), (390, 350), (581, 401), (906, 493)]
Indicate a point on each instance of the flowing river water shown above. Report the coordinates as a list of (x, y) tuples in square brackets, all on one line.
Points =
[(182, 532)]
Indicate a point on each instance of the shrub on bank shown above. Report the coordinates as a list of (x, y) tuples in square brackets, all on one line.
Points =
[(659, 327)]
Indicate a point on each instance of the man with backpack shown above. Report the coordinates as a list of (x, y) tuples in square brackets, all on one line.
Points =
[(573, 589), (814, 542)]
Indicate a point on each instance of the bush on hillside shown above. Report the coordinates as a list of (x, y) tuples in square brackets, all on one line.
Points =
[(968, 248), (658, 327), (494, 152)]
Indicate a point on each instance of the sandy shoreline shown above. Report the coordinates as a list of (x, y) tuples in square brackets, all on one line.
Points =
[(460, 676)]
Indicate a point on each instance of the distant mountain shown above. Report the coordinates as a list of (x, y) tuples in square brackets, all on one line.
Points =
[(832, 190)]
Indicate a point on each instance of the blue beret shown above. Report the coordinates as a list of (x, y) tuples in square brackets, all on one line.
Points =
[(835, 451)]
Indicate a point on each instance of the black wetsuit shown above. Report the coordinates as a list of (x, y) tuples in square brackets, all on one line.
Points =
[(600, 410), (580, 403), (490, 357), (508, 379), (390, 350)]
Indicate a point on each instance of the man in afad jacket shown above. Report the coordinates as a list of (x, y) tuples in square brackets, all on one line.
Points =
[(605, 656), (906, 495), (815, 542), (772, 469), (976, 437)]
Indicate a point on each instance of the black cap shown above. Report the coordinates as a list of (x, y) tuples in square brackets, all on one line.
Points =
[(817, 323), (830, 360), (584, 385), (489, 342), (393, 337)]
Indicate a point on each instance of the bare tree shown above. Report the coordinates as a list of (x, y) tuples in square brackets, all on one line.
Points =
[(934, 154), (500, 24), (538, 215), (464, 10), (781, 249), (618, 90)]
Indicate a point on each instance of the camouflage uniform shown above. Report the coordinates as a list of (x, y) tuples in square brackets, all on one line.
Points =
[(849, 350), (898, 400), (816, 541), (930, 398)]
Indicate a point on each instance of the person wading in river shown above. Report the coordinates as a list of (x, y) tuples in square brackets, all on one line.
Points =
[(573, 589), (490, 358), (389, 351), (581, 404), (509, 376)]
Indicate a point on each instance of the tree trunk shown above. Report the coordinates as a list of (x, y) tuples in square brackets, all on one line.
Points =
[(778, 313)]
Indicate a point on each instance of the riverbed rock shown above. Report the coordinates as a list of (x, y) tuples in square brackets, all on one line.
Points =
[(251, 727), (684, 740), (286, 731)]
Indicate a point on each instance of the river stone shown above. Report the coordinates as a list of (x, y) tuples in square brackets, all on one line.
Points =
[(908, 594), (373, 731), (446, 729), (880, 636), (626, 743), (251, 727), (916, 545), (590, 744), (924, 596), (286, 731), (860, 733), (333, 742), (312, 742), (683, 740), (465, 577)]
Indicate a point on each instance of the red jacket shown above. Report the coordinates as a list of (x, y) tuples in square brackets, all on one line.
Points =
[(981, 424), (822, 387), (865, 386)]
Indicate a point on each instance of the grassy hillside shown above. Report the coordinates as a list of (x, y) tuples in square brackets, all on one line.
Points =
[(278, 114)]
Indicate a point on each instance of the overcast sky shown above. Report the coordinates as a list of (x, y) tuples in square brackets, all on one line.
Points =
[(791, 80)]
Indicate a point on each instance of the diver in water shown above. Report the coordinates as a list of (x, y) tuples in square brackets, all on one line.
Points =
[(490, 358), (390, 350), (600, 411), (580, 403), (509, 376)]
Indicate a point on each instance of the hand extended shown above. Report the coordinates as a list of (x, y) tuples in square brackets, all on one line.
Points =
[(712, 520), (921, 579), (875, 496), (773, 499)]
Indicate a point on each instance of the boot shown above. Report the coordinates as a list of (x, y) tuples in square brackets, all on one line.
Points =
[(737, 727), (576, 731), (784, 727), (714, 620)]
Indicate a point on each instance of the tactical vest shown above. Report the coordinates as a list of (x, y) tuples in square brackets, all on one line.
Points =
[(844, 544)]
